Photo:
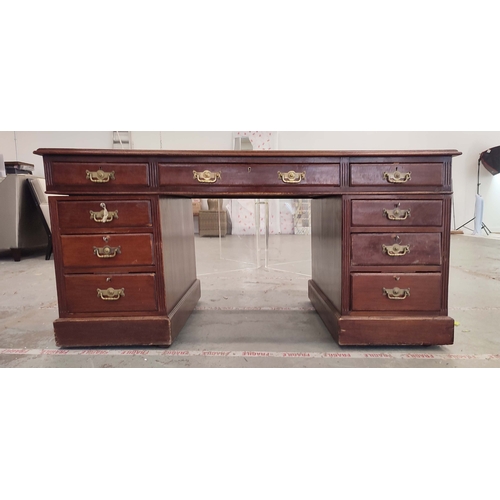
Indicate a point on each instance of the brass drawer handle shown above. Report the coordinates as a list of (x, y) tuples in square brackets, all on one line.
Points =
[(396, 293), (396, 250), (107, 252), (206, 176), (397, 214), (104, 215), (111, 293), (292, 177), (100, 176), (397, 177)]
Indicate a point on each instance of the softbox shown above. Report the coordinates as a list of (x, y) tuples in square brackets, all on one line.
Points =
[(491, 160)]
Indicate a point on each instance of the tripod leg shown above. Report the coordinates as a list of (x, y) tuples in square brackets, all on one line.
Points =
[(468, 222), (486, 229)]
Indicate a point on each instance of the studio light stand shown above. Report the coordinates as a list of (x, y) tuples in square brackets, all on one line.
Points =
[(483, 225)]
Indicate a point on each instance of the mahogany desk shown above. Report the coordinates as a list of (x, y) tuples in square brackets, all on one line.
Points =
[(124, 242)]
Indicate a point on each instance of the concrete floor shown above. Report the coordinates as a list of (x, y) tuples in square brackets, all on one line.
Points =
[(255, 317)]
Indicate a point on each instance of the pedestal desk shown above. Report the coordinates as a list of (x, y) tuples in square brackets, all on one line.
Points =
[(124, 242)]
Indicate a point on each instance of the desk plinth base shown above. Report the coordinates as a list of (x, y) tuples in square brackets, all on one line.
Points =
[(379, 330), (127, 331)]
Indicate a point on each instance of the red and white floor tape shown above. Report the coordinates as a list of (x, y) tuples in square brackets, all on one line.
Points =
[(248, 354)]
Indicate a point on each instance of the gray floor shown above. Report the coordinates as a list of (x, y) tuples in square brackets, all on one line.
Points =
[(252, 316)]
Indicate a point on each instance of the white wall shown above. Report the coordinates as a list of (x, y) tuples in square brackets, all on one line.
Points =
[(182, 140), (471, 144), (27, 142)]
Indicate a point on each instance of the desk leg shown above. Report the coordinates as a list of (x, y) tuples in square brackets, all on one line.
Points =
[(325, 287), (182, 288)]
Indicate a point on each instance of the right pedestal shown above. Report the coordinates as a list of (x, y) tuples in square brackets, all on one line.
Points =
[(380, 267)]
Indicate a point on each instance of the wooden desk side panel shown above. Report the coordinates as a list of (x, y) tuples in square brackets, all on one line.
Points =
[(326, 247), (179, 261), (446, 252)]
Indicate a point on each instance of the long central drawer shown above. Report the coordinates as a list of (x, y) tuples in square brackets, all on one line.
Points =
[(205, 176)]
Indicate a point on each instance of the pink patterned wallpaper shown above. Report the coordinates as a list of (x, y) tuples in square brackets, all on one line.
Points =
[(260, 140)]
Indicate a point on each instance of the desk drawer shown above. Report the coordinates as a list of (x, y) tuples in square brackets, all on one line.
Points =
[(280, 176), (98, 176), (107, 251), (397, 175), (110, 293), (396, 249), (391, 292), (397, 213), (94, 216)]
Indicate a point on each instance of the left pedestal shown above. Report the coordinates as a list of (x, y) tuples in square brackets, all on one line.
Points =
[(125, 269)]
